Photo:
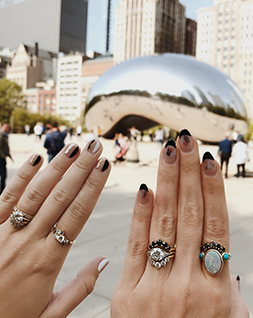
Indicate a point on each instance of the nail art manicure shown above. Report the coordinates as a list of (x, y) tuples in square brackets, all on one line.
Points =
[(238, 278), (94, 145), (209, 164), (186, 140), (102, 164), (72, 150), (170, 151), (102, 265), (143, 193), (35, 159)]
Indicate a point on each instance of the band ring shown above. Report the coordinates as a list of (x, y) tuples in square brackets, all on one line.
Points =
[(59, 235), (19, 219), (159, 253), (214, 255)]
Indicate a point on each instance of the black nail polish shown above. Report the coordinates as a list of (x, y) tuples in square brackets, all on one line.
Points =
[(37, 160), (143, 187), (207, 155), (184, 132), (74, 152), (238, 278), (105, 166), (170, 142)]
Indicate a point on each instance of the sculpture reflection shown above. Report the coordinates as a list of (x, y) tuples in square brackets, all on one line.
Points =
[(171, 89)]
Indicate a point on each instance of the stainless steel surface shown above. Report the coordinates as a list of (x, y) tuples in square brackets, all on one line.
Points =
[(171, 89)]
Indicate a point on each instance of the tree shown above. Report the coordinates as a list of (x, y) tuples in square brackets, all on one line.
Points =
[(11, 97)]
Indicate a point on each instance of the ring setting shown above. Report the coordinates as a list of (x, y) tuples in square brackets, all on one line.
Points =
[(59, 235), (214, 255), (19, 219), (159, 253)]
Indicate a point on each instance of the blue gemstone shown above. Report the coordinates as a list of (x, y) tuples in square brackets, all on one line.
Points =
[(226, 256), (200, 255)]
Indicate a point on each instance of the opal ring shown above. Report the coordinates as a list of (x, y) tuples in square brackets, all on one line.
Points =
[(59, 235), (159, 253), (19, 219), (214, 255)]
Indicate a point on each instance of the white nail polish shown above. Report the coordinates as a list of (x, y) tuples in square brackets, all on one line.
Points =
[(69, 148), (102, 265)]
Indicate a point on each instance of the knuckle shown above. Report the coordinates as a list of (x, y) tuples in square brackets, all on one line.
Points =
[(191, 215), (136, 247), (8, 197), (82, 165), (77, 211), (166, 225), (34, 194), (58, 166), (61, 197), (92, 184), (216, 228), (89, 285)]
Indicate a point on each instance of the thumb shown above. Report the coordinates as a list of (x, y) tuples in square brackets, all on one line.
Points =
[(63, 302), (239, 308)]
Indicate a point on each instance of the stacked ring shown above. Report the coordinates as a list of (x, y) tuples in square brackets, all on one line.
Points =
[(19, 219), (159, 253), (213, 255), (59, 235)]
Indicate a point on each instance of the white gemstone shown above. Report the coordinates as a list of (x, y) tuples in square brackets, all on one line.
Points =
[(158, 265), (157, 254)]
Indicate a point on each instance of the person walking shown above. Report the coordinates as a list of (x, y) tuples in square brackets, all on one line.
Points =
[(38, 130), (159, 136), (4, 152), (54, 141), (225, 150), (241, 155)]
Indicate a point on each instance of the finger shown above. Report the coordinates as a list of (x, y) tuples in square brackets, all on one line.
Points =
[(63, 302), (38, 190), (190, 206), (216, 222), (76, 215), (16, 187), (69, 187), (163, 223), (239, 309), (136, 257)]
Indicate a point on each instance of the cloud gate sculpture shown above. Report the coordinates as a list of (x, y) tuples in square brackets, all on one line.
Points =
[(171, 89)]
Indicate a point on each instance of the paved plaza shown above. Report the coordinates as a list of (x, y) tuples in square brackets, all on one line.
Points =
[(106, 232)]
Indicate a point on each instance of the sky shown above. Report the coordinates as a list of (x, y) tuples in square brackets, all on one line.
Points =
[(97, 11)]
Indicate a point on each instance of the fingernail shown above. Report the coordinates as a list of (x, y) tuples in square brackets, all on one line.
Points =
[(102, 265), (186, 140), (143, 193), (35, 160), (72, 150), (170, 151), (102, 164), (238, 278), (94, 145), (209, 164)]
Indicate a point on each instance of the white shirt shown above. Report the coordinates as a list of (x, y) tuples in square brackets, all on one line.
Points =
[(240, 153)]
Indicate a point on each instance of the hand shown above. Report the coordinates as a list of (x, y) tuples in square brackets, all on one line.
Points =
[(31, 258), (239, 309), (188, 210)]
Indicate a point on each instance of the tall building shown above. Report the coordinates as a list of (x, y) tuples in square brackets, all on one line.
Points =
[(225, 40), (191, 37), (148, 27), (57, 25)]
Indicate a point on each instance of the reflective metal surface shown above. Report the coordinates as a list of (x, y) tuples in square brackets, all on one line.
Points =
[(171, 89)]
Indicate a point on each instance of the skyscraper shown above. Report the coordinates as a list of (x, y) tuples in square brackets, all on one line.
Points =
[(57, 25), (147, 27), (225, 40)]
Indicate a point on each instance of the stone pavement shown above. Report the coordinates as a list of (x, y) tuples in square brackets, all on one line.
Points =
[(106, 232)]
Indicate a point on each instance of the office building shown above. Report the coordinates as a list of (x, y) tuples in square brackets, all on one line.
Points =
[(57, 25), (148, 27), (225, 40), (190, 37)]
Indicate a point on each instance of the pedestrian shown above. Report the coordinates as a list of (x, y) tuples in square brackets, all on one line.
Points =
[(133, 133), (70, 132), (151, 135), (54, 141), (4, 152), (241, 155), (27, 129), (38, 130), (225, 150), (79, 130), (159, 136)]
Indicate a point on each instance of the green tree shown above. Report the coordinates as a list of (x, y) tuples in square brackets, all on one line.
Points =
[(11, 97)]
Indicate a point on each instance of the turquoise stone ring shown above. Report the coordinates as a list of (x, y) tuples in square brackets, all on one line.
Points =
[(213, 256)]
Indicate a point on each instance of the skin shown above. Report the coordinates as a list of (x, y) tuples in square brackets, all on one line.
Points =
[(189, 209), (31, 258)]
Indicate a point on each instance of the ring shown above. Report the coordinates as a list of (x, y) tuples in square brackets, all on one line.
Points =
[(19, 218), (159, 253), (213, 256), (60, 237)]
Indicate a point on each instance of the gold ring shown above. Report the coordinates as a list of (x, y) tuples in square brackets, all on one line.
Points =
[(19, 219), (159, 253), (59, 235)]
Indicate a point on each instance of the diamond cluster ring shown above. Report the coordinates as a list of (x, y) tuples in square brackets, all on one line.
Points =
[(60, 237), (213, 255), (159, 253), (19, 219)]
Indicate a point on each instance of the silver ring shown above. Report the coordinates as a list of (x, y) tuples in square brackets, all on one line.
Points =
[(159, 253), (59, 235), (19, 219)]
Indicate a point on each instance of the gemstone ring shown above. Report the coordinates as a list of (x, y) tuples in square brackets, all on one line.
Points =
[(159, 253), (213, 255), (19, 219), (59, 235)]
